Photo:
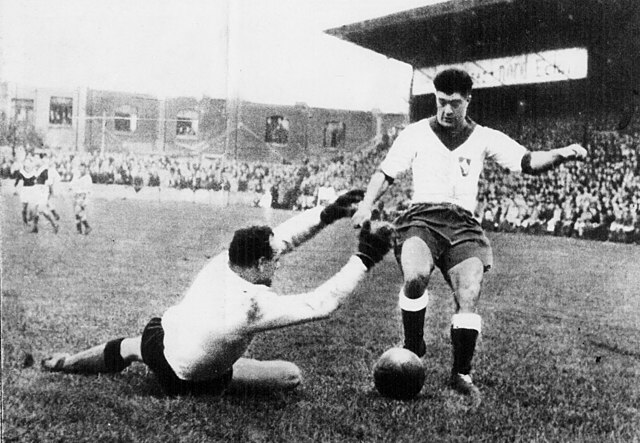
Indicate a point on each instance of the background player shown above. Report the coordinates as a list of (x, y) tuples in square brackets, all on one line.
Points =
[(198, 344), (25, 181), (446, 154), (81, 185), (52, 183), (41, 195)]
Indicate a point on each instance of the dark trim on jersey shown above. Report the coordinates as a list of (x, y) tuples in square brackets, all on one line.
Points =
[(28, 178), (525, 164), (452, 140), (43, 177)]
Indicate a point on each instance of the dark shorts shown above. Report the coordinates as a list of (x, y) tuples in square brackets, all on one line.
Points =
[(451, 233), (152, 349)]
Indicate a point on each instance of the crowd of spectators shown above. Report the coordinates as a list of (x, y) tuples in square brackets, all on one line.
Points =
[(596, 199)]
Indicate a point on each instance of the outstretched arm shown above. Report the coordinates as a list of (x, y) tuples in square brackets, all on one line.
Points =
[(378, 185), (306, 225), (540, 161), (279, 311)]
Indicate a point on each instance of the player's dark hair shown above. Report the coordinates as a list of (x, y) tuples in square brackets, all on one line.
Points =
[(453, 80), (249, 244)]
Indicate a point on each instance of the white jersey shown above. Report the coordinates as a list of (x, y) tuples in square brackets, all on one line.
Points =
[(41, 188), (53, 180), (212, 326), (82, 184), (441, 175)]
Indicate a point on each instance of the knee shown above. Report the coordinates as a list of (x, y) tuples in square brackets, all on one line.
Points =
[(415, 286), (417, 264)]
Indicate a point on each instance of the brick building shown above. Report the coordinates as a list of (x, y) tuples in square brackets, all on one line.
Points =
[(111, 121), (56, 114)]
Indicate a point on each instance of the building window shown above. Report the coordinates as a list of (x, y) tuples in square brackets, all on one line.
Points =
[(60, 110), (22, 110), (334, 134), (187, 124), (126, 119), (277, 130)]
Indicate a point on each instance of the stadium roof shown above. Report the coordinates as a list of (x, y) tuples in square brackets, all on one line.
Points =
[(461, 30)]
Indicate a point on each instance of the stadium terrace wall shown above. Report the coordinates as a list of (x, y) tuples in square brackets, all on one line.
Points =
[(207, 132), (308, 130), (122, 122), (112, 121)]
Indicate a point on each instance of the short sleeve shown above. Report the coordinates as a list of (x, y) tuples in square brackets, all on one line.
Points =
[(504, 150), (400, 154)]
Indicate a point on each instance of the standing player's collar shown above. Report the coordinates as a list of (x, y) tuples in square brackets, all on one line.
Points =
[(450, 139)]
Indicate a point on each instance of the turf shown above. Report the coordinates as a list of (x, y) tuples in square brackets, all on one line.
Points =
[(559, 357)]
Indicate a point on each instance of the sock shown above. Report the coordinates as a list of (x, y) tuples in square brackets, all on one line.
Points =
[(55, 214), (100, 359), (35, 223), (113, 361), (24, 215), (86, 224), (413, 323), (465, 329), (413, 313)]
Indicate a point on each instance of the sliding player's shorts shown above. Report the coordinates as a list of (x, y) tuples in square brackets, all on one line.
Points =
[(152, 349), (452, 234)]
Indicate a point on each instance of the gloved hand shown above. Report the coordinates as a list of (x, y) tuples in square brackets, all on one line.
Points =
[(343, 206), (573, 152), (374, 242)]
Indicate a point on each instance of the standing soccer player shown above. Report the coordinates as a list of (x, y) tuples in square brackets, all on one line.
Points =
[(198, 345), (41, 197), (52, 183), (446, 154), (27, 191), (81, 185)]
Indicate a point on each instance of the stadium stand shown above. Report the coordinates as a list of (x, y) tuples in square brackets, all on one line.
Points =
[(598, 199)]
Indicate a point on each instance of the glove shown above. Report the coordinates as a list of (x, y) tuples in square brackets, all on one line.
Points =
[(572, 152), (344, 206), (374, 244)]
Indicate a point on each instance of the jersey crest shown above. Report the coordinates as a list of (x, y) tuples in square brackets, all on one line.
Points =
[(465, 165)]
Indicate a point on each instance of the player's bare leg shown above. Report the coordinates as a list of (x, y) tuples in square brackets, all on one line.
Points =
[(113, 356), (51, 208), (78, 224), (466, 281), (49, 217), (81, 216), (25, 213), (33, 216), (87, 228), (417, 264), (263, 376)]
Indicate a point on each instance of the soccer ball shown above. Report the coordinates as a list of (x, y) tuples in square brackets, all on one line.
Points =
[(399, 374)]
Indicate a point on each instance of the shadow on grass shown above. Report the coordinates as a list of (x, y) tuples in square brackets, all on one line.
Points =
[(139, 382)]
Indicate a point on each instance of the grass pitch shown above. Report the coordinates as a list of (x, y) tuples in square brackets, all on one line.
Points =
[(559, 357)]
